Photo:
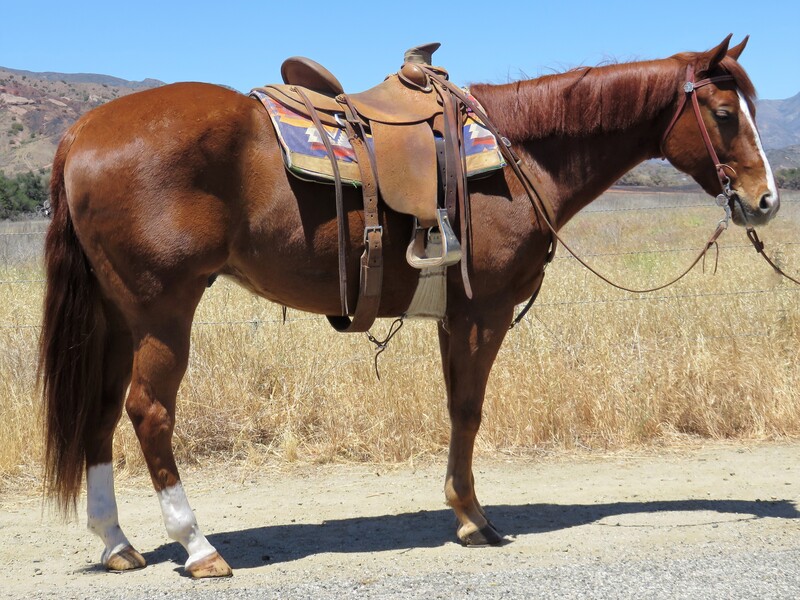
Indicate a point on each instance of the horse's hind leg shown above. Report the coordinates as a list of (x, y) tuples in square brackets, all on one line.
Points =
[(101, 506), (161, 339), (469, 345)]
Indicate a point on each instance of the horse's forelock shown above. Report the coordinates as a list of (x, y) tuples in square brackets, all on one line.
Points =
[(728, 65), (743, 81)]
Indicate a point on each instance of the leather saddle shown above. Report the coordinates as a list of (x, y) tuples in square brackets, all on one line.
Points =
[(406, 133), (404, 117)]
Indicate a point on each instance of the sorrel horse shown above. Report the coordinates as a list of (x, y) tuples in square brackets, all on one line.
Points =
[(154, 193)]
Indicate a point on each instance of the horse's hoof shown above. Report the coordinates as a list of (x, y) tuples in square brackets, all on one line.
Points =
[(212, 565), (485, 536), (127, 559)]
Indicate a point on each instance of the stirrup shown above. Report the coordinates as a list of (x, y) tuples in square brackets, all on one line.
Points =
[(451, 249)]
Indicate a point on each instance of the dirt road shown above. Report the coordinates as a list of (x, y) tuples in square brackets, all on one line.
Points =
[(714, 521)]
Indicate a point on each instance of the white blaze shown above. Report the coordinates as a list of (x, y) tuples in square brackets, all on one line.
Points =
[(745, 111)]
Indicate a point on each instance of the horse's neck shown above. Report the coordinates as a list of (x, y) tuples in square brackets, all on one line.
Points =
[(581, 169), (583, 130)]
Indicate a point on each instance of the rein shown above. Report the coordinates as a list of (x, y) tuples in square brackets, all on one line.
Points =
[(759, 246), (689, 87), (545, 210)]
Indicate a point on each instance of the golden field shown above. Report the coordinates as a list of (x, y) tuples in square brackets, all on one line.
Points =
[(714, 356)]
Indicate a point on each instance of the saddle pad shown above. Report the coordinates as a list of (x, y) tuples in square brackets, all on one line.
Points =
[(305, 156)]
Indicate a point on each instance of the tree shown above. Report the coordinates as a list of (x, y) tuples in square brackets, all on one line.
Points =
[(788, 178), (22, 194)]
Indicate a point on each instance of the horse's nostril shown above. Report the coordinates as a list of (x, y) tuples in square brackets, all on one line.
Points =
[(767, 203)]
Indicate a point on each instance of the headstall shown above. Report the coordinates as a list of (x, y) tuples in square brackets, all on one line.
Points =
[(722, 169)]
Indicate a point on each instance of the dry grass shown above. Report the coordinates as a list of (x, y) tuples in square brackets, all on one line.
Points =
[(714, 356)]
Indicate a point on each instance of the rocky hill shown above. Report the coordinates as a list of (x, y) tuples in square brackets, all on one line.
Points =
[(784, 158), (36, 109), (779, 122)]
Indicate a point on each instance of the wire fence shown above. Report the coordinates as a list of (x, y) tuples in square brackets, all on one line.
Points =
[(540, 304)]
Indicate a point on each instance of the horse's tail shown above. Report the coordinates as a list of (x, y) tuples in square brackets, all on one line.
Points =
[(70, 347)]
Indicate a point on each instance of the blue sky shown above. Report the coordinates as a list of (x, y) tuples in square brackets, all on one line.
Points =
[(241, 44)]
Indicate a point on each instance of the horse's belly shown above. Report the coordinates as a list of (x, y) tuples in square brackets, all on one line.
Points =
[(291, 256)]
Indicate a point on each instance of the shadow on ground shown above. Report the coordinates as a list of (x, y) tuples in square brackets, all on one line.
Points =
[(248, 548)]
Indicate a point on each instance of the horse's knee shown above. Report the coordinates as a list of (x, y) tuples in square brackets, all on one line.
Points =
[(153, 423), (465, 421)]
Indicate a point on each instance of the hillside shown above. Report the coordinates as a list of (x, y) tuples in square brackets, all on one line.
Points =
[(784, 158), (779, 123), (36, 109), (81, 78)]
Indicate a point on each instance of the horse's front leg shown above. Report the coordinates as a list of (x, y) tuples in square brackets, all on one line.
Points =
[(469, 343)]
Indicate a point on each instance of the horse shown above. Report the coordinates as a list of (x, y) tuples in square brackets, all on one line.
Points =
[(157, 192)]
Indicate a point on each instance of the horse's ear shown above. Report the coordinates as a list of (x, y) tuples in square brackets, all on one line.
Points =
[(708, 60), (736, 51)]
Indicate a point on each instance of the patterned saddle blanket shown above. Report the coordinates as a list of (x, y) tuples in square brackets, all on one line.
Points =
[(305, 155)]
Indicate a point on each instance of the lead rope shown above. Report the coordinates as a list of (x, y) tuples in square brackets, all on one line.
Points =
[(759, 246)]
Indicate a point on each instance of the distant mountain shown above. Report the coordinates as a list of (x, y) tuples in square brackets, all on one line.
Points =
[(779, 122), (784, 158), (37, 108), (103, 80)]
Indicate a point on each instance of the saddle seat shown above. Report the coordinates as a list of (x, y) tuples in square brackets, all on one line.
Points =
[(397, 100), (403, 114)]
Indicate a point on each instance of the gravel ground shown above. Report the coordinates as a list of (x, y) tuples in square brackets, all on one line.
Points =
[(719, 521)]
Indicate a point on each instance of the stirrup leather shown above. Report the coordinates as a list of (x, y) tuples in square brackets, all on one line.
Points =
[(451, 249)]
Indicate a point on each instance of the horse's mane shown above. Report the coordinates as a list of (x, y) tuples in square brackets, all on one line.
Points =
[(588, 100)]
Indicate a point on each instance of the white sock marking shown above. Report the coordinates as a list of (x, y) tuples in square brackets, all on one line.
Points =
[(181, 524), (101, 509)]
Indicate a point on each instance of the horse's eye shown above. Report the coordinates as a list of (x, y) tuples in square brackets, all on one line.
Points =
[(722, 114)]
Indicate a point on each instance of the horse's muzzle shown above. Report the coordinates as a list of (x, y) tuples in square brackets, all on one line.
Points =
[(748, 214)]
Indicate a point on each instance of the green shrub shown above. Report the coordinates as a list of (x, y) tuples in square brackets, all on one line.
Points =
[(788, 179), (22, 194)]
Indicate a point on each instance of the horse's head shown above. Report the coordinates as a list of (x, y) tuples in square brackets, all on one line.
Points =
[(713, 136)]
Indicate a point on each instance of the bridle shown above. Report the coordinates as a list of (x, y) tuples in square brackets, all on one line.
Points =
[(722, 169), (544, 209), (724, 198)]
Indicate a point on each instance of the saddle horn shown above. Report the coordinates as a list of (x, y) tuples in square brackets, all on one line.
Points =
[(422, 55)]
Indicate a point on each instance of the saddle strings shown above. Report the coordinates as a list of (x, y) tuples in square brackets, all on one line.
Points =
[(381, 345)]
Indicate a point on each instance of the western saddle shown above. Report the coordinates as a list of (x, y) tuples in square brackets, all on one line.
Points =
[(406, 134)]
